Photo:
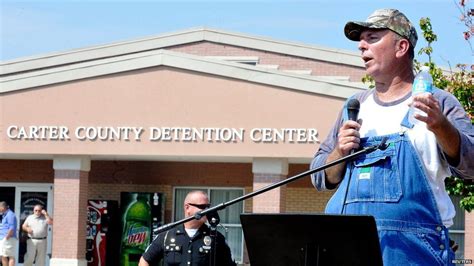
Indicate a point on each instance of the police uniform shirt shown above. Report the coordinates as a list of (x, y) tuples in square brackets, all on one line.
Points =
[(175, 247)]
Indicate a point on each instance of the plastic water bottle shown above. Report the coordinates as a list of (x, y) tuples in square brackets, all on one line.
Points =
[(423, 84)]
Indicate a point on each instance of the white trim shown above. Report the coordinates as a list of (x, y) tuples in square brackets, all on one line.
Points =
[(299, 71), (340, 78), (27, 185), (238, 59), (234, 225), (164, 158), (125, 63), (80, 163), (267, 66), (67, 262), (179, 38), (277, 166)]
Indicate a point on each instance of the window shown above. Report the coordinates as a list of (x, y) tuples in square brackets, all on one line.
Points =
[(456, 232), (230, 216)]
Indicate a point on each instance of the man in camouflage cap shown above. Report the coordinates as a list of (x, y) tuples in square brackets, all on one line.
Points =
[(402, 186), (391, 19)]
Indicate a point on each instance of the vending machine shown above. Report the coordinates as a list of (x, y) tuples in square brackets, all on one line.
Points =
[(140, 214), (103, 233)]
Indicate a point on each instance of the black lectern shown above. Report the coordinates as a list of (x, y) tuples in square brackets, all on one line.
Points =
[(311, 239)]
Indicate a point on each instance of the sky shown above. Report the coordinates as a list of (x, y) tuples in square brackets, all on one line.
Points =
[(35, 28)]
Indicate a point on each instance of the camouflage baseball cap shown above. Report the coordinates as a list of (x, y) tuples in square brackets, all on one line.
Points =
[(391, 19)]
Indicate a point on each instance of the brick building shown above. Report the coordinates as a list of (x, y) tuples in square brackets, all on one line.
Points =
[(200, 108)]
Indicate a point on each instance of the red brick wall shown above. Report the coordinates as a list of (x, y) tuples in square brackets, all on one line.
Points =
[(183, 173), (306, 200), (37, 171), (172, 173), (108, 178), (303, 182), (286, 62)]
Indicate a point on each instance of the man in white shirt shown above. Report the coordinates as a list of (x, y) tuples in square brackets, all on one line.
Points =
[(36, 225)]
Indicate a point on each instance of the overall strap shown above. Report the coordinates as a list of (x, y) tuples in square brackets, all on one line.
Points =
[(406, 121)]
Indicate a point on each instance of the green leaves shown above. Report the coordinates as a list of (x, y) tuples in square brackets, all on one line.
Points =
[(366, 79), (463, 188), (460, 84), (428, 34)]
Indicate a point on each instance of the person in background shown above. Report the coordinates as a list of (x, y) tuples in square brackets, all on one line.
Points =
[(8, 239), (403, 185), (36, 225), (189, 244)]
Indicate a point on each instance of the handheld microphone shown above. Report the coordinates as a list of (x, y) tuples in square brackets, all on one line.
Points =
[(353, 107)]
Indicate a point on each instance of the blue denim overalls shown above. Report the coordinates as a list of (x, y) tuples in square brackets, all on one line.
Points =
[(392, 186)]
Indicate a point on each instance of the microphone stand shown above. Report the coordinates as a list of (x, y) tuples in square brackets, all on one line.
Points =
[(213, 219), (382, 146)]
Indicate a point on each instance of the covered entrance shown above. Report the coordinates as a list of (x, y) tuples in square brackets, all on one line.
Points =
[(22, 197)]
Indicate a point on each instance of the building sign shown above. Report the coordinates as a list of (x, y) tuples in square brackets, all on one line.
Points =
[(164, 134)]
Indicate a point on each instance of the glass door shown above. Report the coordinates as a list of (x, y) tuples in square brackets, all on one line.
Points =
[(26, 197)]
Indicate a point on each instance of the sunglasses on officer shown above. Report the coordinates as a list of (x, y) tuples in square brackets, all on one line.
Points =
[(200, 206)]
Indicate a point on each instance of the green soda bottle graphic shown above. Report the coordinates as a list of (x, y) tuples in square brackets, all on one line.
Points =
[(136, 232)]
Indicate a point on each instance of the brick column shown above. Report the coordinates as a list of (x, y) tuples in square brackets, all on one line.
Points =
[(469, 236), (71, 174), (265, 172)]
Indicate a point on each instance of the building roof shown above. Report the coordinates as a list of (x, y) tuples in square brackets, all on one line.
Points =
[(179, 38), (120, 57), (130, 62)]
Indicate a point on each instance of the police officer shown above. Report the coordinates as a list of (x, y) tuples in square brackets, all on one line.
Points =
[(189, 244)]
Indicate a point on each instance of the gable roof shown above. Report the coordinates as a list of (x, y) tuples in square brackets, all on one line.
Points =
[(135, 61), (179, 38)]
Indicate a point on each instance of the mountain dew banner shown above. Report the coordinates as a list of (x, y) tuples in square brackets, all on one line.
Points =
[(141, 212)]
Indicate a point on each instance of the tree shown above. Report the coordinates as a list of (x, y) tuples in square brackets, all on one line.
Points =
[(466, 18)]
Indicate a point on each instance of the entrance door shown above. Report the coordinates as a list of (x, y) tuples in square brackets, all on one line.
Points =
[(26, 197)]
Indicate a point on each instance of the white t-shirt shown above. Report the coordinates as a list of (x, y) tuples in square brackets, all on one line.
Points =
[(191, 232), (424, 141)]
